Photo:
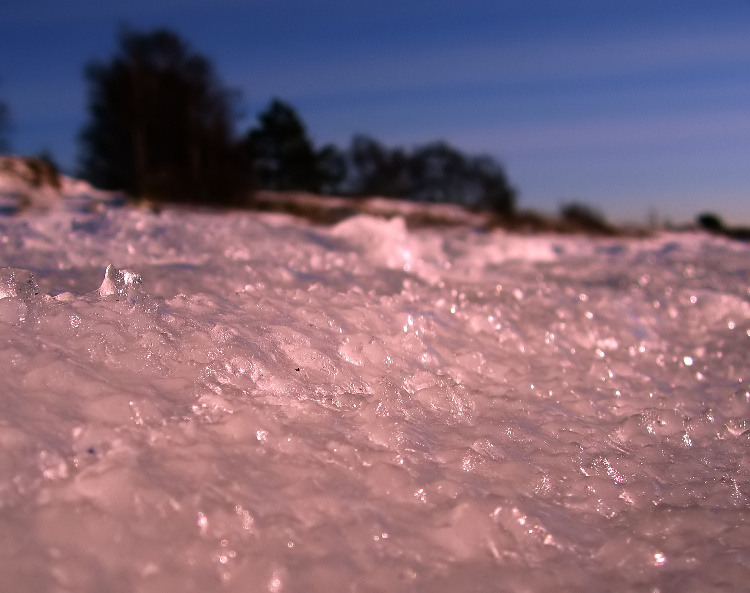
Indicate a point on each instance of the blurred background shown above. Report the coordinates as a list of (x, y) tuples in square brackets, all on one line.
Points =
[(640, 109)]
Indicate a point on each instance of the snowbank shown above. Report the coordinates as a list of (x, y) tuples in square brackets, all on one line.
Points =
[(248, 402), (29, 184)]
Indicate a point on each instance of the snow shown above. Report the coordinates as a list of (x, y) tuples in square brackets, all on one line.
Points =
[(247, 402), (34, 185)]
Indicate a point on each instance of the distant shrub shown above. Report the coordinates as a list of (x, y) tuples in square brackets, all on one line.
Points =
[(711, 222), (524, 221), (36, 172), (585, 218), (44, 171)]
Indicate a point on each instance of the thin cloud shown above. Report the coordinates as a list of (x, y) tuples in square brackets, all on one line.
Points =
[(383, 71), (617, 133)]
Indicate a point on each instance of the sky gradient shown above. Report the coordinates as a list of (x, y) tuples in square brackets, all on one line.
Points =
[(637, 108)]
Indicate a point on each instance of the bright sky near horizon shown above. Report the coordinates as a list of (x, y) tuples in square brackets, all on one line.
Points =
[(637, 108)]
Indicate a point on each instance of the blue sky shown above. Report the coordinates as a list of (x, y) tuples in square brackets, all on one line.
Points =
[(633, 107)]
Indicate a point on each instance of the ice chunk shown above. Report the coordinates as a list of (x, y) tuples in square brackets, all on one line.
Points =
[(122, 283)]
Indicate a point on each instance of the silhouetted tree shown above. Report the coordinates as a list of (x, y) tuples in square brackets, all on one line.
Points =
[(710, 222), (441, 173), (332, 169), (160, 124), (438, 173), (435, 172), (377, 170), (283, 157), (495, 192)]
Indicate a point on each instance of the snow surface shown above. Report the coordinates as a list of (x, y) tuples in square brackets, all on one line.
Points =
[(245, 402)]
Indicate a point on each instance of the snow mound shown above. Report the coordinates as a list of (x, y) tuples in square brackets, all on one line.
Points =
[(30, 184)]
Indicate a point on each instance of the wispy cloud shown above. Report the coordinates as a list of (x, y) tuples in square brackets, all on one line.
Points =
[(705, 130), (381, 70)]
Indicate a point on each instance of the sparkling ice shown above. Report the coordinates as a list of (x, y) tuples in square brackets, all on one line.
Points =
[(247, 402)]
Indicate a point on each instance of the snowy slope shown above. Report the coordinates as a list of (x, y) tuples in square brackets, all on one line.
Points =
[(247, 402)]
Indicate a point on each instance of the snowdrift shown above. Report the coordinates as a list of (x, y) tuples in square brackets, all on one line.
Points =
[(198, 402)]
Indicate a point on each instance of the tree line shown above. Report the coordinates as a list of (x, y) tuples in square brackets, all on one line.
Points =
[(161, 125)]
